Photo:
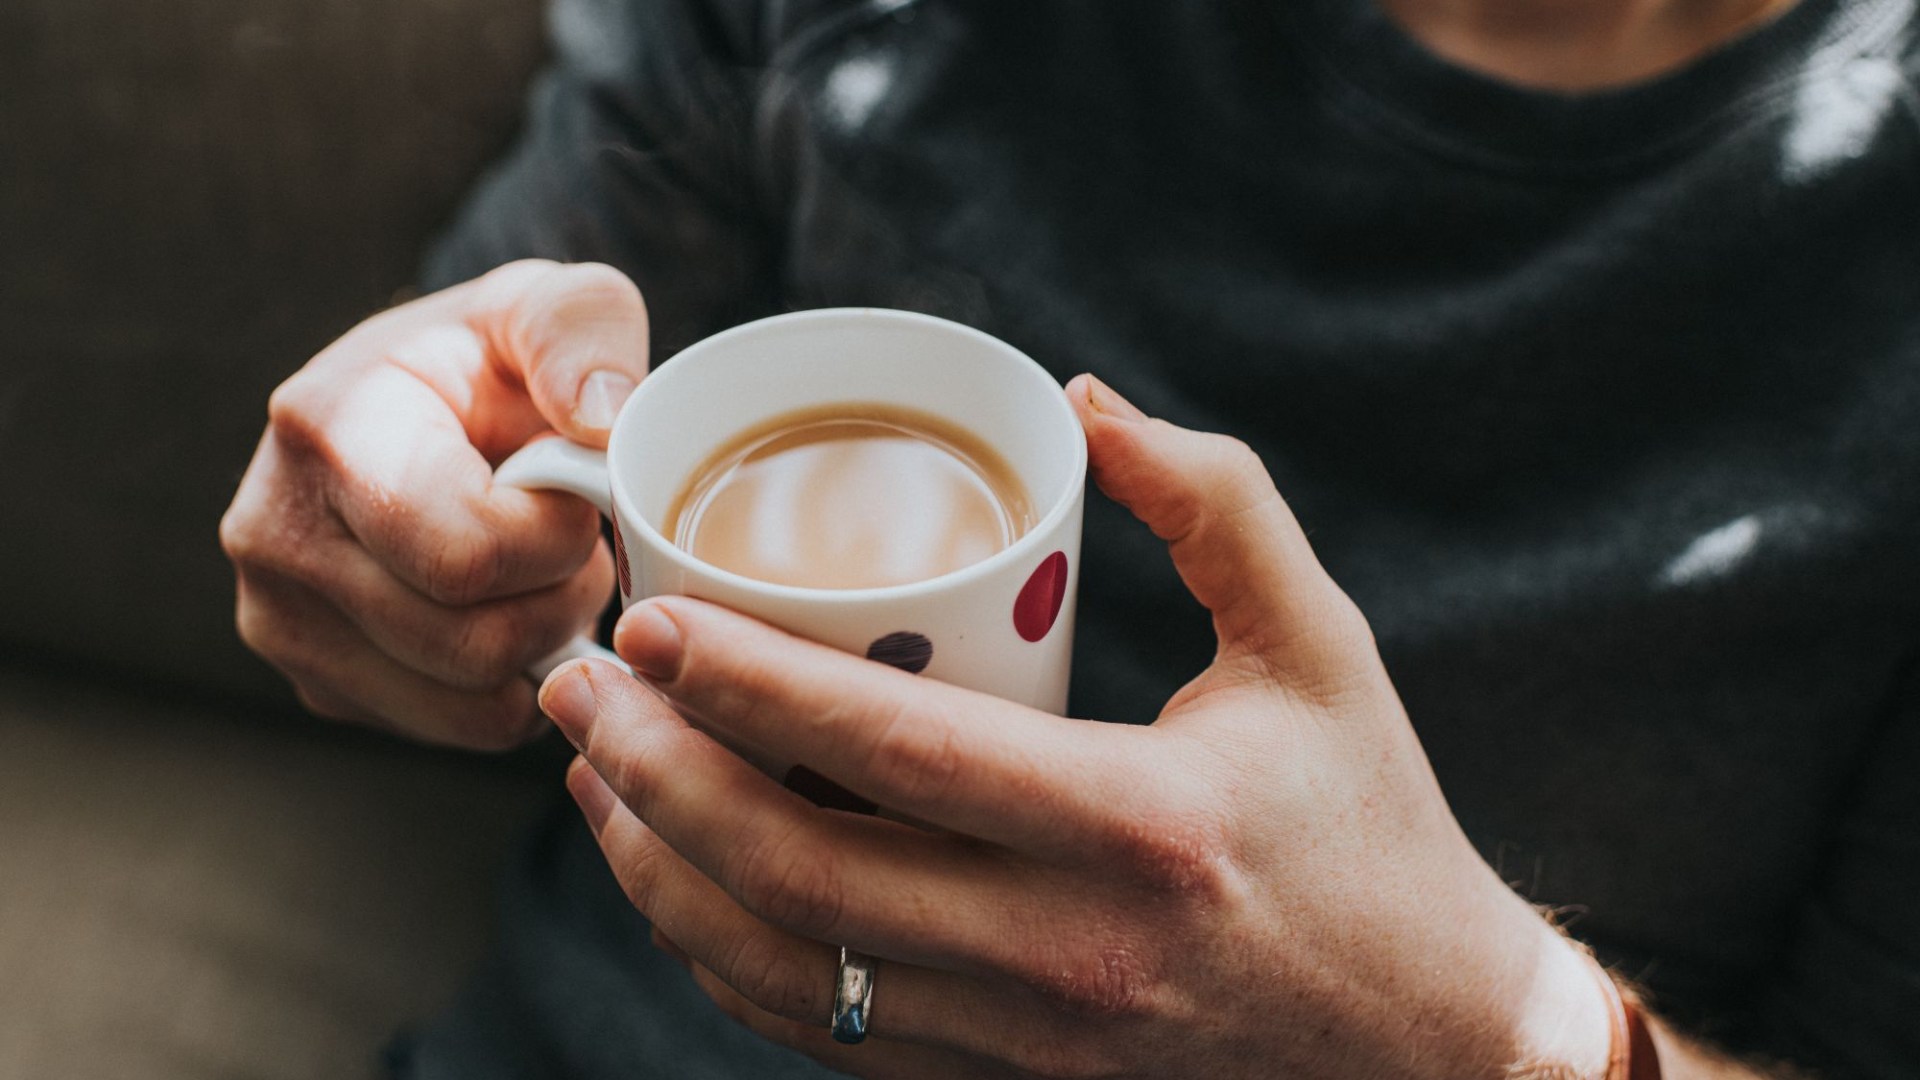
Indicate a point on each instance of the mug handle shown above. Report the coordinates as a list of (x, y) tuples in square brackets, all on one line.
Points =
[(555, 464)]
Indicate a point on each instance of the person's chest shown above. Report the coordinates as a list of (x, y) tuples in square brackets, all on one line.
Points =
[(1620, 466)]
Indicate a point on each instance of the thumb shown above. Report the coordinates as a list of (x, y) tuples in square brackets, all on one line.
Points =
[(1233, 539), (574, 334)]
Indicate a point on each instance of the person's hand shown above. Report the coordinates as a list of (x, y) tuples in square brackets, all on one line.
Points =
[(1266, 882), (378, 565)]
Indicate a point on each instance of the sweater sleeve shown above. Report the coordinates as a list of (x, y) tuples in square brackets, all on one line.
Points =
[(636, 152)]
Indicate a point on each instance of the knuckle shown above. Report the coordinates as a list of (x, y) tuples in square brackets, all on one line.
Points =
[(741, 683), (488, 649), (1340, 662), (920, 761), (1239, 477), (1235, 457), (239, 534), (462, 570), (1348, 621), (600, 283), (1227, 456), (1110, 982), (771, 979), (509, 281), (519, 268), (293, 416), (1175, 855), (638, 871), (1220, 477), (565, 299), (805, 895), (257, 540), (635, 775)]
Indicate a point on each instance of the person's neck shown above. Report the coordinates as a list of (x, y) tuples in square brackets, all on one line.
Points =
[(1576, 45)]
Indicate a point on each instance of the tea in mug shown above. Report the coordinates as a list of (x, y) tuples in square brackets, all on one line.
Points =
[(850, 496)]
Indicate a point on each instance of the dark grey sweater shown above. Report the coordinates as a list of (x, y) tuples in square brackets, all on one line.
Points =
[(1606, 409)]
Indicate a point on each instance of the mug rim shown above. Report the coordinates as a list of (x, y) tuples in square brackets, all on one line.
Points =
[(1032, 539)]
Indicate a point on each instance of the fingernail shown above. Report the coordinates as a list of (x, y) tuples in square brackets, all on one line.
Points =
[(649, 639), (1105, 400), (596, 799), (601, 395), (567, 699)]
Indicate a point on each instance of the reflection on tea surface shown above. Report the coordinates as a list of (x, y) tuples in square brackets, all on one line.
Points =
[(850, 496)]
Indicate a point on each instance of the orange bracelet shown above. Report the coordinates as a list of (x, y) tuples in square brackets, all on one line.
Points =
[(1631, 1054)]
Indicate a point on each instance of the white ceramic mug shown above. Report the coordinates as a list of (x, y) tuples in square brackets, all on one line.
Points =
[(1003, 625)]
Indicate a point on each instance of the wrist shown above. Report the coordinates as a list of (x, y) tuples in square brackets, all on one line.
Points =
[(1566, 1026), (1520, 1001)]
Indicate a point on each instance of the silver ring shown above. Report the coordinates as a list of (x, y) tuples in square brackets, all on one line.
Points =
[(852, 993)]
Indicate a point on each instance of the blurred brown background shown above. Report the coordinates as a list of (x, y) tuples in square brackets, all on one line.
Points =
[(197, 196)]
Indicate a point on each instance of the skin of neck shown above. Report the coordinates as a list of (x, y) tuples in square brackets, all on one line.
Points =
[(1577, 46)]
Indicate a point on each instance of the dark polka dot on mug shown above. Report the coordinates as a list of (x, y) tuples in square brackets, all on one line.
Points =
[(824, 793), (903, 649)]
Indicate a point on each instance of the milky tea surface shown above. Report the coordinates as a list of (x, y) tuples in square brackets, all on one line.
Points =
[(850, 496)]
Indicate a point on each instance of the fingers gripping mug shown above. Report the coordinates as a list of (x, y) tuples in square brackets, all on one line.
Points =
[(1002, 625)]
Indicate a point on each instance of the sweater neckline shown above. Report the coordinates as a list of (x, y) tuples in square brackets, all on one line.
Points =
[(1375, 67)]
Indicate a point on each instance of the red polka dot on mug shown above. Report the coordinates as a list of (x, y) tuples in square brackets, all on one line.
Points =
[(1038, 604)]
